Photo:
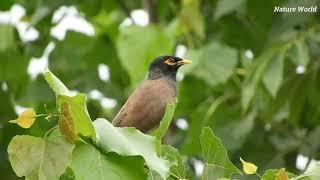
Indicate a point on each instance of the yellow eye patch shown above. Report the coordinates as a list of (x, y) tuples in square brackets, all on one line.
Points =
[(170, 62)]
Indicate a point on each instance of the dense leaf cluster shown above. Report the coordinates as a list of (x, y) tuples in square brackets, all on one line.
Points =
[(104, 151), (255, 81)]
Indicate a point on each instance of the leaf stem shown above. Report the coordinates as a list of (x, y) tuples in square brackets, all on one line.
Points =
[(50, 131), (39, 115), (258, 174), (174, 176)]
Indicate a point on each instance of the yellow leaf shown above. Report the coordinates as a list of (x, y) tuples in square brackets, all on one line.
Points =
[(25, 119), (282, 174), (248, 167)]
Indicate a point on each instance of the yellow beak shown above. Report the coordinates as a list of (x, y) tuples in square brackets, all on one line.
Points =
[(184, 61)]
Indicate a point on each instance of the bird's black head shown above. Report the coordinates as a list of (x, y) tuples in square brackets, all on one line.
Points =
[(166, 66)]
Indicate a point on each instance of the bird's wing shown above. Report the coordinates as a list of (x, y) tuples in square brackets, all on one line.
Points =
[(146, 105)]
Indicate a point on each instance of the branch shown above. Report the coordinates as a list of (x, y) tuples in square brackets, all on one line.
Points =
[(151, 6)]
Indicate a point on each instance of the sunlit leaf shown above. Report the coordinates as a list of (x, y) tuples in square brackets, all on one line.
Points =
[(130, 142), (77, 114), (217, 69), (40, 158), (312, 173), (138, 46), (56, 85), (273, 174), (26, 118), (166, 120), (7, 37), (217, 163), (177, 167), (89, 163), (248, 168), (71, 106)]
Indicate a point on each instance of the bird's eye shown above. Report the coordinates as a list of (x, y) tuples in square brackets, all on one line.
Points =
[(170, 62)]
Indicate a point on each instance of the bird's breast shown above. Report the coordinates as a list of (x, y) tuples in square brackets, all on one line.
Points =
[(145, 107)]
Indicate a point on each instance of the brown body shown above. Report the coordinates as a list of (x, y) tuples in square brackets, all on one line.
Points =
[(145, 107)]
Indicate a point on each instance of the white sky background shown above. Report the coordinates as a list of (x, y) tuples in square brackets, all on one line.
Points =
[(13, 17), (69, 19)]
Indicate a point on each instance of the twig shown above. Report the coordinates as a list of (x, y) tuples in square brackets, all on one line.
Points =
[(151, 6)]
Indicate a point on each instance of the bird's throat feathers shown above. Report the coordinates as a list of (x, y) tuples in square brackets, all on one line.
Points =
[(169, 77), (159, 73)]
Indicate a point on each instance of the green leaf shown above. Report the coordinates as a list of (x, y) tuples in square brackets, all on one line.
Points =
[(299, 53), (77, 114), (177, 168), (255, 75), (56, 85), (138, 46), (234, 134), (315, 36), (38, 158), (227, 6), (153, 175), (7, 38), (312, 173), (68, 174), (130, 142), (190, 18), (89, 163), (14, 61), (74, 118), (313, 142), (166, 120), (215, 63), (273, 75), (217, 163), (108, 22), (271, 174)]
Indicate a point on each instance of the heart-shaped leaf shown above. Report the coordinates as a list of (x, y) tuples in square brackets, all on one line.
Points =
[(131, 142), (89, 163), (217, 163), (40, 158)]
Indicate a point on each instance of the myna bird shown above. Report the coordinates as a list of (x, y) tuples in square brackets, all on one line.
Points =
[(146, 106)]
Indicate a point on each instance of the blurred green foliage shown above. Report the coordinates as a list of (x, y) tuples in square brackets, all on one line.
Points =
[(260, 107)]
